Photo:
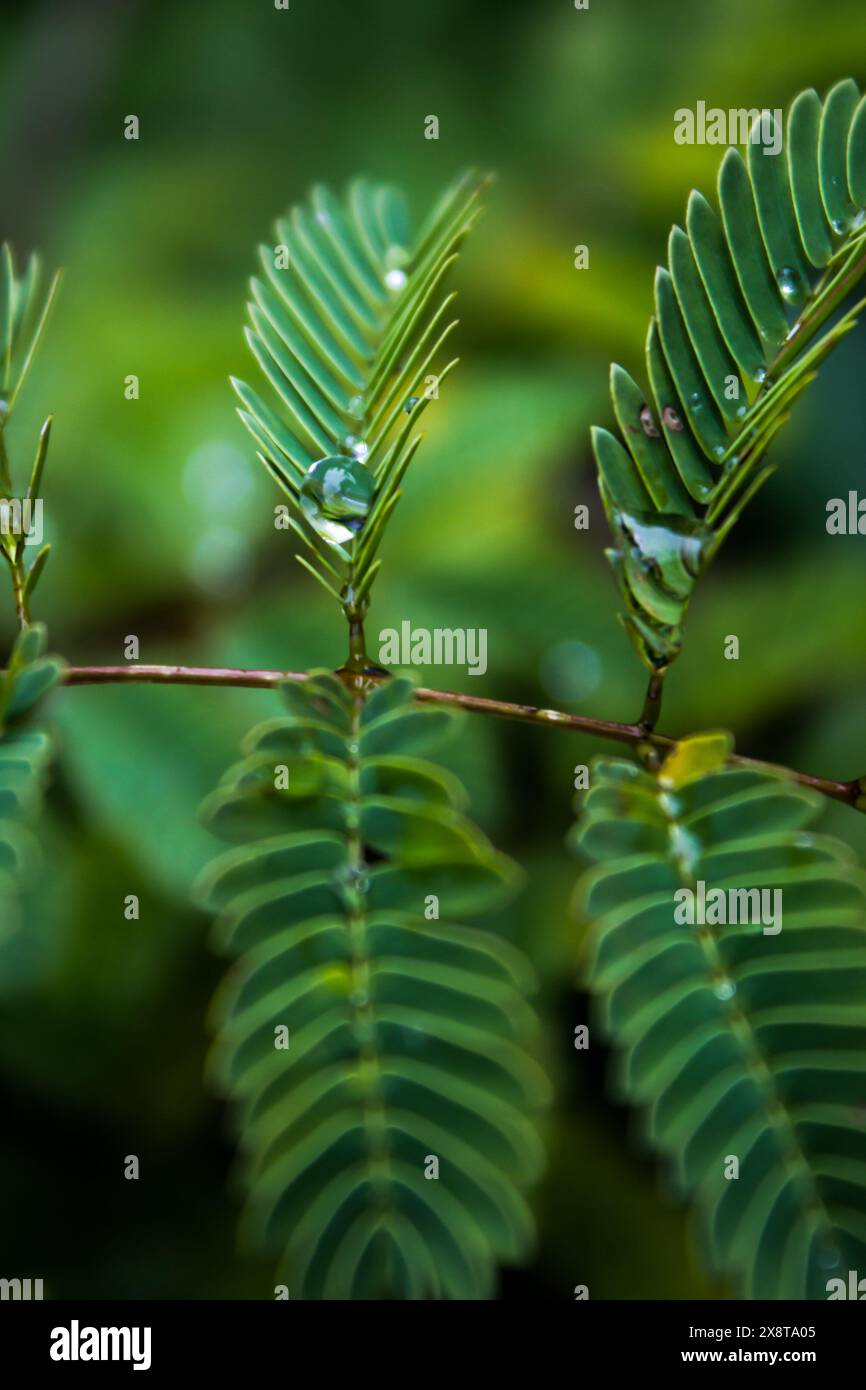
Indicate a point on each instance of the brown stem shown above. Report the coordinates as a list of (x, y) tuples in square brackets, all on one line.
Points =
[(652, 705), (847, 792)]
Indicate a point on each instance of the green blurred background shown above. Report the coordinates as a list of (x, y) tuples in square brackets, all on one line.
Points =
[(162, 527)]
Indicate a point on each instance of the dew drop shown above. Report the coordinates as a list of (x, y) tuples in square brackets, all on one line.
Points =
[(671, 419), (648, 424), (396, 257), (395, 279), (355, 408), (335, 497), (725, 989), (356, 447), (410, 404), (790, 284)]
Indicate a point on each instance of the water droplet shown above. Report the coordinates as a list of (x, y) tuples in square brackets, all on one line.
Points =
[(671, 419), (647, 423), (356, 447), (335, 497), (838, 225), (725, 989), (396, 280), (355, 408), (410, 404), (396, 257), (790, 284), (760, 374)]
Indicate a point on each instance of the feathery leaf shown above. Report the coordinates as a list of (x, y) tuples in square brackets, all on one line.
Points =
[(406, 1034), (347, 323), (732, 345), (24, 757), (742, 1043)]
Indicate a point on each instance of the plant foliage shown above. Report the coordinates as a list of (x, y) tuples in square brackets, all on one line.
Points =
[(24, 757), (738, 1043), (734, 342), (347, 322), (406, 1034), (24, 313)]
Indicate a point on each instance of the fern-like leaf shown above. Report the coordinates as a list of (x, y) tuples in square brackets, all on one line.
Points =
[(24, 757), (347, 322), (742, 1044), (735, 340), (405, 1035)]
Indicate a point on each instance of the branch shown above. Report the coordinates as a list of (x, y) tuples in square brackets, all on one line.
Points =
[(848, 792)]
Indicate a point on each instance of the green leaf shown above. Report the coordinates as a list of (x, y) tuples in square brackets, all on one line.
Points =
[(25, 754), (736, 338), (348, 335), (744, 1040), (23, 315), (407, 1033)]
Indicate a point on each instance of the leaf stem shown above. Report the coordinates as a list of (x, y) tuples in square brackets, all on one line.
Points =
[(850, 793)]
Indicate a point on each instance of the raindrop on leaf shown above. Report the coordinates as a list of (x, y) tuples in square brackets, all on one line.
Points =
[(648, 424), (335, 497)]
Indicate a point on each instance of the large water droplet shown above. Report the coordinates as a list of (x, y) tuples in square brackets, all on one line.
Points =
[(335, 497), (355, 408), (725, 989)]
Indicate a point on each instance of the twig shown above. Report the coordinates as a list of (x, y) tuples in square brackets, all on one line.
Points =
[(847, 792)]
